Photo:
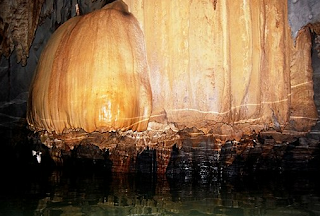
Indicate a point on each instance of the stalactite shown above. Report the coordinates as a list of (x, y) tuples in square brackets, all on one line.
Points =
[(19, 21)]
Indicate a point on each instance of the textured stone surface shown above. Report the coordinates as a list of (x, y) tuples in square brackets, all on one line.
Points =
[(228, 68), (302, 106), (187, 154), (93, 75), (198, 79), (15, 80), (18, 23), (301, 12)]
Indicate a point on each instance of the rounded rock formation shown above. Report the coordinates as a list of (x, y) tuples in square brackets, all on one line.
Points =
[(93, 75)]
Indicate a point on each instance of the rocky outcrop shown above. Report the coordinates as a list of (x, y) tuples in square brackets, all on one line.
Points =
[(187, 153), (20, 19)]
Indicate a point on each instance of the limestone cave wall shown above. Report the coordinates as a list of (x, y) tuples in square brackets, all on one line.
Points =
[(219, 70), (227, 67)]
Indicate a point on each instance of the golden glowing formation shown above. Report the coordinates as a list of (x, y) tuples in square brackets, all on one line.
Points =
[(222, 66), (227, 66), (93, 74)]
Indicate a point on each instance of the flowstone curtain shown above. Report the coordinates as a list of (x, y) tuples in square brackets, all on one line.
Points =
[(227, 65)]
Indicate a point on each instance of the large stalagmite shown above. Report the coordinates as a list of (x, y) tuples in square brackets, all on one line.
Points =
[(227, 66), (224, 67), (93, 75)]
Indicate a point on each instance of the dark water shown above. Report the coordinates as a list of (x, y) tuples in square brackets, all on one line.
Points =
[(77, 192)]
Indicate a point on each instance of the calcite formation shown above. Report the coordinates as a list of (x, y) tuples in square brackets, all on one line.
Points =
[(93, 75), (227, 67), (220, 72), (18, 23)]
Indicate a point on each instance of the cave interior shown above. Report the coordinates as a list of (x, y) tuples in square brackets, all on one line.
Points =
[(212, 92)]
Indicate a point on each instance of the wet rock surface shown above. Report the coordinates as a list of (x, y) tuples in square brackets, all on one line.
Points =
[(184, 154), (179, 154)]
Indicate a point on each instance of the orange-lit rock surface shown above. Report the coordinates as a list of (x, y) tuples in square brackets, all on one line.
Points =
[(93, 74), (224, 67), (227, 66)]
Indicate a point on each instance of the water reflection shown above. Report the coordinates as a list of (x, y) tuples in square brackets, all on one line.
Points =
[(91, 193)]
